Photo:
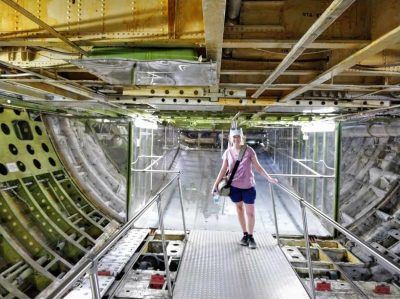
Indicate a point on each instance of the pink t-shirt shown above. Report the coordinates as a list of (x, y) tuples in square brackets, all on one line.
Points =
[(244, 176)]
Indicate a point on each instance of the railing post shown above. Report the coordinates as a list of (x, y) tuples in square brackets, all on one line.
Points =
[(299, 151), (338, 155), (94, 280), (275, 146), (129, 174), (315, 158), (222, 141), (323, 188), (274, 210), (161, 222), (308, 250), (151, 159), (165, 150), (306, 149), (292, 154), (181, 203)]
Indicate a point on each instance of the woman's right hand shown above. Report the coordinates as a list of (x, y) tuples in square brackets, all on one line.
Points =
[(214, 190), (272, 180)]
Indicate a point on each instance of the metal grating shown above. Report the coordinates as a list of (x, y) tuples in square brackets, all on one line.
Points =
[(216, 266), (111, 264)]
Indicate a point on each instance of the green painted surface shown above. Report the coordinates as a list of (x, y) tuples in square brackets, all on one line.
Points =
[(129, 176), (41, 208), (144, 53), (40, 281), (8, 253), (24, 157), (66, 203), (52, 232), (338, 158), (11, 219)]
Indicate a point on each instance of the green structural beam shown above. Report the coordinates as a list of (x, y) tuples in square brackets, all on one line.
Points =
[(144, 53), (129, 170), (338, 153)]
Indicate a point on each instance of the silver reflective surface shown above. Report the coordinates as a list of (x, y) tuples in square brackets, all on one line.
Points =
[(157, 72), (199, 170)]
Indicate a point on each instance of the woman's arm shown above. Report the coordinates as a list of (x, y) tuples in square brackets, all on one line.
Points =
[(261, 170), (221, 174)]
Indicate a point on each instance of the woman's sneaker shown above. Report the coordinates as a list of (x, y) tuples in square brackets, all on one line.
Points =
[(252, 243), (245, 240)]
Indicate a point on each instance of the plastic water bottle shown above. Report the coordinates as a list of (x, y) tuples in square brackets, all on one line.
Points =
[(216, 197)]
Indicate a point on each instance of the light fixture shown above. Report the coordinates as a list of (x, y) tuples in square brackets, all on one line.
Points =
[(318, 126), (145, 123)]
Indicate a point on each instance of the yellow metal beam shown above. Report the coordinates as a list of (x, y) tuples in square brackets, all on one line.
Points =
[(160, 23), (43, 25), (265, 102), (167, 91)]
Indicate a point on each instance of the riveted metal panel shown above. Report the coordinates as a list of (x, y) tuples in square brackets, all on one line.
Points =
[(25, 157), (47, 223), (189, 19), (94, 19)]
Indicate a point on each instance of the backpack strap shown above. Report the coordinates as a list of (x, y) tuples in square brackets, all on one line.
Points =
[(241, 154)]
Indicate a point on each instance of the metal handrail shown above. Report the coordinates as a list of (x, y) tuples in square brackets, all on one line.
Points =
[(89, 264), (288, 175), (144, 156), (156, 170), (344, 231), (317, 162), (300, 162), (308, 250), (304, 204)]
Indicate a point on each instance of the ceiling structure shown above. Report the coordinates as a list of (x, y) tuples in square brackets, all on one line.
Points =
[(271, 58)]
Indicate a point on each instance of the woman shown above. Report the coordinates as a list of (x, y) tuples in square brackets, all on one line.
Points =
[(242, 193)]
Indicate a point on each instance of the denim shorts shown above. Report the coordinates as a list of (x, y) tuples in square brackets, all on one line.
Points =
[(248, 196)]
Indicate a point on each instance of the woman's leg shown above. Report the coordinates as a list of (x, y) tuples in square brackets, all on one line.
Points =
[(240, 213), (250, 217)]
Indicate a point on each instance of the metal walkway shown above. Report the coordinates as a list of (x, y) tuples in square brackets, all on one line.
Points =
[(214, 265), (199, 170)]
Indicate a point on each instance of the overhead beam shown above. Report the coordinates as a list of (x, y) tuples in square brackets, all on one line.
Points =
[(227, 43), (385, 41), (53, 80), (43, 25), (334, 11), (337, 103), (290, 86), (24, 91), (288, 44), (389, 89), (253, 28), (89, 42), (54, 91), (263, 72), (214, 19), (349, 73), (182, 103), (180, 92), (62, 85)]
